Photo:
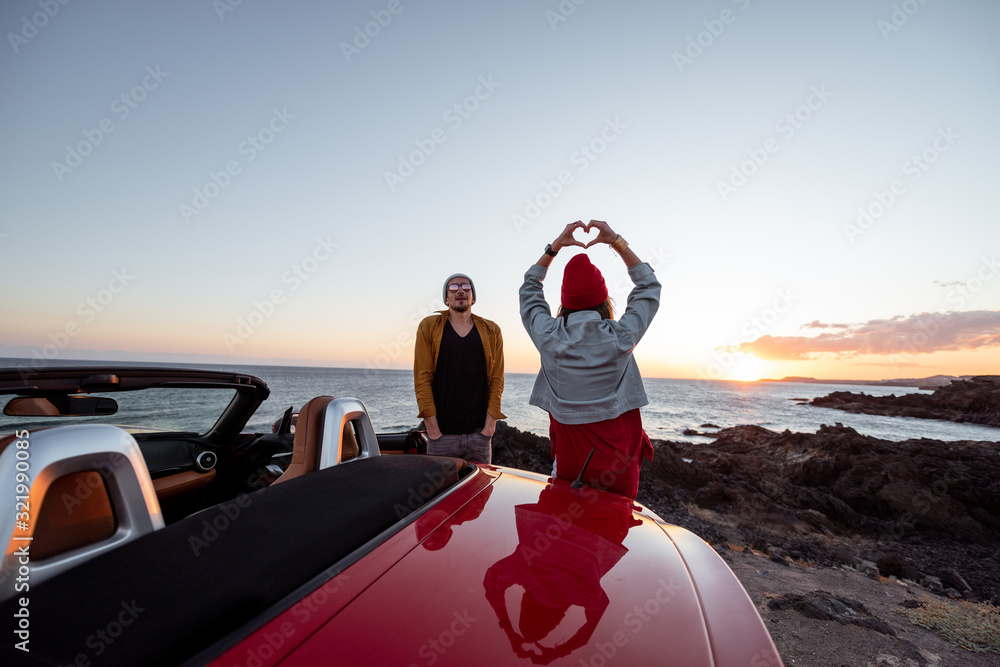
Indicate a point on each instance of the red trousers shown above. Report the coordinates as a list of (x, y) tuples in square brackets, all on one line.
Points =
[(620, 445)]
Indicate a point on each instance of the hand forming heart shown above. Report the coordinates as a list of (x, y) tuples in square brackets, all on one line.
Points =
[(587, 241), (568, 238)]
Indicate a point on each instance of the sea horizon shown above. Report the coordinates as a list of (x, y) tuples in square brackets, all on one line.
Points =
[(675, 405), (41, 362)]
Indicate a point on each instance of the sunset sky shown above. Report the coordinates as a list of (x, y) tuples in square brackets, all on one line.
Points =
[(815, 184)]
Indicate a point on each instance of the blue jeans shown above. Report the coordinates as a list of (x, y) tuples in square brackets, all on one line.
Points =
[(473, 447)]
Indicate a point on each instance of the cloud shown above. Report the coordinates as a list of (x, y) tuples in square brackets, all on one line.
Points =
[(816, 324), (896, 364), (911, 334)]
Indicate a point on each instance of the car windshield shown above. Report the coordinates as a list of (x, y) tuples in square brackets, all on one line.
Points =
[(190, 410)]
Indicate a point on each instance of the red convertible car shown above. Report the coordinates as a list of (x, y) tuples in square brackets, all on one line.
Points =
[(137, 536)]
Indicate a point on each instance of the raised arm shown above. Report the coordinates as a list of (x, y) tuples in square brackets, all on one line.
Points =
[(535, 313), (617, 243), (644, 299), (564, 239)]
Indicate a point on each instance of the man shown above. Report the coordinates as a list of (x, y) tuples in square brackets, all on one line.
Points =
[(458, 375)]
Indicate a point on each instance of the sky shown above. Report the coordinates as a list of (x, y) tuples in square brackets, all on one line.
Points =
[(231, 181)]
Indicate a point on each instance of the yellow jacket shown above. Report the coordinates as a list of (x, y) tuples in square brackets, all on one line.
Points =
[(425, 356)]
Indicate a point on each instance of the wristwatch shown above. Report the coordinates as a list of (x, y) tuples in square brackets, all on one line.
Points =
[(550, 252)]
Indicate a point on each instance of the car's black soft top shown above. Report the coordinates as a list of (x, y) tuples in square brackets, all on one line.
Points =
[(194, 582)]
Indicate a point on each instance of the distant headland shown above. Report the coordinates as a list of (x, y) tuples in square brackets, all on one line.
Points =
[(931, 382)]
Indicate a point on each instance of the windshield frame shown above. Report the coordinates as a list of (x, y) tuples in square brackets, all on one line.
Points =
[(249, 391)]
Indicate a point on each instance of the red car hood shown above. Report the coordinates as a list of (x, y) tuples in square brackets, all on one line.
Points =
[(507, 568)]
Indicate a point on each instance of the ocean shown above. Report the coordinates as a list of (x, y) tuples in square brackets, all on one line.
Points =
[(674, 405)]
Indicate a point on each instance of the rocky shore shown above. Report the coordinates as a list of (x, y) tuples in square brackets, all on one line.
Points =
[(923, 515), (975, 400)]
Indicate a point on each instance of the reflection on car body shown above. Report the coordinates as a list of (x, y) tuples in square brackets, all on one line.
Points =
[(373, 555)]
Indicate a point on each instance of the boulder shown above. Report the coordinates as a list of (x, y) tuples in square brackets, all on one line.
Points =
[(823, 606), (932, 584), (950, 577)]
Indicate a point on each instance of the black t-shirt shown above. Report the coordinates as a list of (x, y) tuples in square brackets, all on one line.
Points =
[(461, 388)]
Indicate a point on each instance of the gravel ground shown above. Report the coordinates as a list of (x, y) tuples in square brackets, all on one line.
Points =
[(812, 642)]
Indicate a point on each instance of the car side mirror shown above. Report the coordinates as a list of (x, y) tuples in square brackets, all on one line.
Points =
[(60, 406)]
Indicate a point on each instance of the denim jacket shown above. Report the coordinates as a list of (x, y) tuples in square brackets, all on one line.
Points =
[(588, 372)]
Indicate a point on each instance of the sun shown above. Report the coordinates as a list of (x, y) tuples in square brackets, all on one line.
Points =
[(748, 368)]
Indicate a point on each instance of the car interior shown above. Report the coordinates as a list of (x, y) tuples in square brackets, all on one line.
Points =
[(110, 507)]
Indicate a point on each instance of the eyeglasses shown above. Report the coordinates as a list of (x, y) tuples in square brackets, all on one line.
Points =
[(454, 287)]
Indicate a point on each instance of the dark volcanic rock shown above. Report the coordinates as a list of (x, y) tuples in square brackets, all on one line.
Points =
[(825, 607), (910, 509), (934, 504), (976, 401), (777, 558), (953, 579), (519, 449)]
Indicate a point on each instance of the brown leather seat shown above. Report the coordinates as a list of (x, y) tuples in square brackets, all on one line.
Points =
[(308, 440), (76, 511), (89, 492)]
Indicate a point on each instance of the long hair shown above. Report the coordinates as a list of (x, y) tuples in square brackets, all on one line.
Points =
[(606, 308)]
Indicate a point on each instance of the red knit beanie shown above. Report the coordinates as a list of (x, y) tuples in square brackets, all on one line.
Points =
[(583, 285)]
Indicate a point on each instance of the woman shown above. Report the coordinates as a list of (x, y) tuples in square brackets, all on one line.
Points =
[(589, 382)]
